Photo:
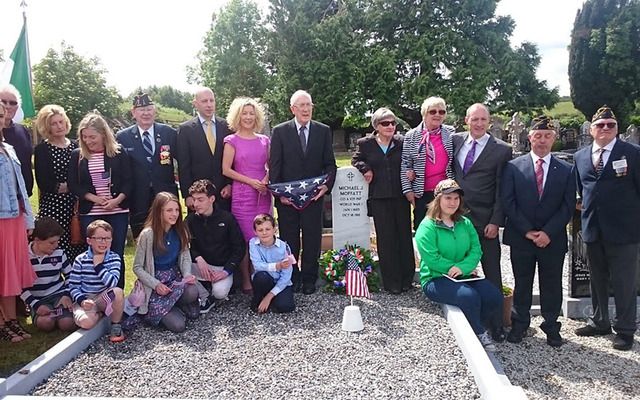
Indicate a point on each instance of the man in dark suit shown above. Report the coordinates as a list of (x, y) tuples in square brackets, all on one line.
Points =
[(608, 180), (538, 196), (478, 162), (302, 148), (151, 148), (200, 145)]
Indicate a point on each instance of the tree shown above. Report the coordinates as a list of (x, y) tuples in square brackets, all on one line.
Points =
[(604, 57), (75, 83), (231, 61), (168, 97)]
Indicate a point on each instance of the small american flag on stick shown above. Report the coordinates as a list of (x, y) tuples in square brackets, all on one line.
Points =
[(108, 296), (355, 280)]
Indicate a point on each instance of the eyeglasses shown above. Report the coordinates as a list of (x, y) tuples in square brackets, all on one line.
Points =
[(387, 123), (9, 102), (101, 239), (609, 125), (434, 112), (303, 105)]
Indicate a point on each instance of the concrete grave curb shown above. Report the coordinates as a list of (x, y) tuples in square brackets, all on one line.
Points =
[(491, 385), (38, 370)]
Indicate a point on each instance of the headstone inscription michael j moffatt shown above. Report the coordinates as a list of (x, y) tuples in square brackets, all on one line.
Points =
[(349, 208)]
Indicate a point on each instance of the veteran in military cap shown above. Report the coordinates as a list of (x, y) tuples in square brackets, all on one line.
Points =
[(608, 180), (151, 147), (538, 195)]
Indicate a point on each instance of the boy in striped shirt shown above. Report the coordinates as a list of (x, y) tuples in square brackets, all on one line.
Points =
[(49, 298), (94, 279)]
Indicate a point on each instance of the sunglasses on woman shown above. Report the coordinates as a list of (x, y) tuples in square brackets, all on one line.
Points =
[(609, 125), (434, 112), (9, 102), (387, 123)]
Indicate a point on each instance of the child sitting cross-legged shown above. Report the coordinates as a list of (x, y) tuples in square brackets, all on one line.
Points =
[(94, 279), (272, 262), (48, 298)]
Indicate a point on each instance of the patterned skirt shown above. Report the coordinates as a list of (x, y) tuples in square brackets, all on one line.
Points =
[(159, 306)]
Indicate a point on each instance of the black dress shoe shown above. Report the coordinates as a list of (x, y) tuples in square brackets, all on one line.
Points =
[(308, 288), (589, 330), (623, 342), (498, 335), (395, 291), (297, 286), (516, 335), (554, 339)]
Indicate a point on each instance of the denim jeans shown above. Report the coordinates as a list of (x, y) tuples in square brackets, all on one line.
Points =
[(478, 300), (120, 224)]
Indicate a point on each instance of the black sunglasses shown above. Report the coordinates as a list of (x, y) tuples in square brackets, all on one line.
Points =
[(609, 125), (434, 112), (387, 123), (9, 102)]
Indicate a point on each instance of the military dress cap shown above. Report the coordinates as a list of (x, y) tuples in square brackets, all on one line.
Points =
[(142, 100), (447, 186), (603, 112), (542, 123)]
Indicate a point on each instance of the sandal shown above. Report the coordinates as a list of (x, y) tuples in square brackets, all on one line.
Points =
[(15, 326), (7, 335)]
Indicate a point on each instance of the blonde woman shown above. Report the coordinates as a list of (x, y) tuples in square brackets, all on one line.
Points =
[(245, 160), (99, 174), (51, 161)]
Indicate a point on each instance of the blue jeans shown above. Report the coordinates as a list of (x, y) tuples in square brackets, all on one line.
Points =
[(120, 225), (262, 284), (478, 300)]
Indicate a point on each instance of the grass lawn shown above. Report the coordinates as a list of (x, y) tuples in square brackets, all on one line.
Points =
[(15, 355)]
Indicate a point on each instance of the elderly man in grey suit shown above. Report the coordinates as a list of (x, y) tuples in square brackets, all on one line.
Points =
[(478, 162)]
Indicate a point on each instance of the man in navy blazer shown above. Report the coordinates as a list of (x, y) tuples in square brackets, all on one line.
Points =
[(538, 195), (302, 148), (608, 179), (151, 148), (200, 148)]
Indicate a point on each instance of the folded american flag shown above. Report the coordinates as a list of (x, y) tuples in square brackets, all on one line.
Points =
[(301, 192), (355, 280)]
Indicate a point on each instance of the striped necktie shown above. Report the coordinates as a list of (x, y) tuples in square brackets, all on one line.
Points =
[(146, 143), (539, 176)]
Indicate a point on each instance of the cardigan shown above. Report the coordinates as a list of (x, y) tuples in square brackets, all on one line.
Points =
[(145, 269), (414, 158), (385, 166)]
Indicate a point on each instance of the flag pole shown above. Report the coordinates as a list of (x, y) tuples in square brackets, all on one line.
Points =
[(351, 300)]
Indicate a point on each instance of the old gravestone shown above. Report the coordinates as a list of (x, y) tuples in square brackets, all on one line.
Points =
[(349, 208)]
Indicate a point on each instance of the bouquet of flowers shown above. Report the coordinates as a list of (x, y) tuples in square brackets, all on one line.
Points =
[(333, 265)]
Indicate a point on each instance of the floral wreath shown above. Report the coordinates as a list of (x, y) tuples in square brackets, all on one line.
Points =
[(333, 265)]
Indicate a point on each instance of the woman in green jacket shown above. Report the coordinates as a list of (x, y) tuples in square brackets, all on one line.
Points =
[(449, 248)]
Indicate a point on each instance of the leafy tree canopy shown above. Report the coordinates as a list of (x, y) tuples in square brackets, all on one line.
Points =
[(75, 83), (604, 58)]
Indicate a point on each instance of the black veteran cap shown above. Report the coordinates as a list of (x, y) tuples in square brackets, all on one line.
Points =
[(447, 186), (542, 123), (142, 100), (603, 112)]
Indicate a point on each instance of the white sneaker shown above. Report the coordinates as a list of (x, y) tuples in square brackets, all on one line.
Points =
[(486, 342)]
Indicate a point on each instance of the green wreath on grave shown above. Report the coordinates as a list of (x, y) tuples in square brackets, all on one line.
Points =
[(333, 264)]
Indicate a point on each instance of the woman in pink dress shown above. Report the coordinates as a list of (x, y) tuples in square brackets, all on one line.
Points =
[(245, 160)]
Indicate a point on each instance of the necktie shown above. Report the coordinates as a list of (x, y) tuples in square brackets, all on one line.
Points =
[(303, 139), (146, 143), (468, 161), (539, 176), (211, 137), (599, 165)]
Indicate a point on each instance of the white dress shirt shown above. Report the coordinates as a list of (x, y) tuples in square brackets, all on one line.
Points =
[(466, 146), (595, 152), (545, 166), (151, 139)]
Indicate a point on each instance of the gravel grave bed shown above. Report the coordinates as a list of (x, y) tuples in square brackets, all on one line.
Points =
[(406, 350), (583, 368)]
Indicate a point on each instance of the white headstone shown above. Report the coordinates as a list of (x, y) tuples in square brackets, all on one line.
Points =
[(349, 209)]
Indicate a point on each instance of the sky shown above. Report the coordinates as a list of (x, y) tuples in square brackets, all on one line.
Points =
[(150, 42)]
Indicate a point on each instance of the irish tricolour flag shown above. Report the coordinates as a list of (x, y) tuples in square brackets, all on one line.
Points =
[(17, 71)]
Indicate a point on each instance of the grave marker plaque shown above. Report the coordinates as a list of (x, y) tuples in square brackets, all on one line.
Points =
[(349, 208)]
